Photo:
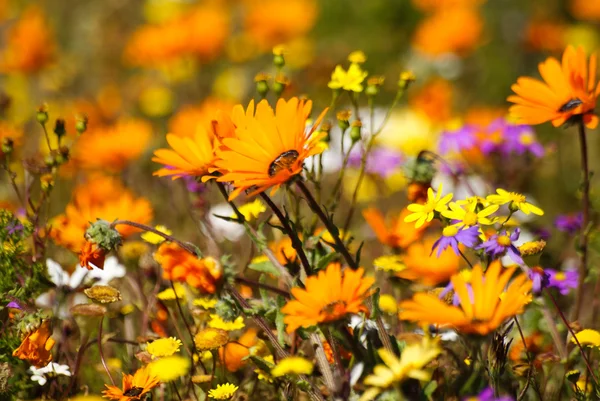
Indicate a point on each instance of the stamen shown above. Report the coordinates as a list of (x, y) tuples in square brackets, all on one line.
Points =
[(283, 162)]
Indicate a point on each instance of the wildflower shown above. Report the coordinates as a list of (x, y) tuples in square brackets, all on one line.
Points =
[(234, 354), (163, 347), (262, 375), (569, 91), (292, 365), (171, 295), (36, 346), (569, 223), (92, 255), (357, 57), (481, 310), (457, 138), (380, 161), (210, 338), (424, 267), (283, 250), (223, 391), (156, 239), (585, 10), (564, 282), (41, 375), (206, 303), (532, 248), (134, 386), (398, 234), (391, 263), (132, 251), (539, 278), (413, 360), (488, 395), (469, 216), (169, 368), (350, 80), (515, 200), (388, 304), (588, 337), (424, 213), (329, 296), (103, 293), (453, 235), (251, 210), (519, 139), (500, 244), (187, 120), (217, 322), (269, 147)]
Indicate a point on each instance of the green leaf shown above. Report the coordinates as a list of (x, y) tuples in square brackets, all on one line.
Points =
[(279, 321), (227, 218), (261, 363), (326, 260), (375, 302), (265, 267)]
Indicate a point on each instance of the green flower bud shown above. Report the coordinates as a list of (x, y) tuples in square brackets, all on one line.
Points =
[(355, 133), (59, 127), (101, 233), (81, 124), (7, 146)]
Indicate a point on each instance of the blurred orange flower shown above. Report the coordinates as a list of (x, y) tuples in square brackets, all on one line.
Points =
[(398, 234), (434, 99), (269, 147), (233, 354), (112, 148), (453, 30), (7, 131), (569, 90), (103, 198), (425, 267), (180, 265), (272, 22), (187, 120), (545, 36), (283, 250), (434, 5), (328, 296), (588, 10), (29, 44), (36, 346)]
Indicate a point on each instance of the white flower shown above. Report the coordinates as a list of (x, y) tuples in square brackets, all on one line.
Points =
[(41, 375), (229, 230), (112, 269)]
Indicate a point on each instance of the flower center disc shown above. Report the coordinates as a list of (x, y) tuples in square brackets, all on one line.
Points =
[(283, 162), (133, 392), (335, 309), (503, 240)]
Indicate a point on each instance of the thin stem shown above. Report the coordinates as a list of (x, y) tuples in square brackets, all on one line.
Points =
[(322, 362), (296, 243), (558, 342), (333, 230), (583, 236), (531, 367), (465, 258), (102, 353), (340, 179), (12, 176), (80, 352), (144, 227), (47, 136)]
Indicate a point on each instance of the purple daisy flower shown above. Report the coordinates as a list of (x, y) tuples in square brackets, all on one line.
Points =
[(502, 244), (193, 185), (569, 223), (539, 278), (563, 281), (14, 227), (380, 161), (488, 395), (457, 140), (14, 305), (520, 139), (453, 235), (492, 137)]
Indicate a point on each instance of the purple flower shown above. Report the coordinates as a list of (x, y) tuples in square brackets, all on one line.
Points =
[(14, 305), (193, 185), (380, 161), (562, 281), (457, 140), (452, 235), (569, 223), (539, 278), (14, 227), (502, 244), (488, 395), (520, 139)]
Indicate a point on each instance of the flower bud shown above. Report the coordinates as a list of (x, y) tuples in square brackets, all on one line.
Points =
[(46, 182), (343, 118), (355, 129), (59, 127), (406, 78), (42, 114), (262, 87), (101, 233), (7, 146), (281, 82), (81, 124), (373, 85), (278, 58)]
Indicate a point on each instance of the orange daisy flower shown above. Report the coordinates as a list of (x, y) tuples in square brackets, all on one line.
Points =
[(328, 296), (425, 267), (185, 122), (134, 386), (398, 234), (484, 304), (269, 147), (234, 354), (570, 90), (36, 346)]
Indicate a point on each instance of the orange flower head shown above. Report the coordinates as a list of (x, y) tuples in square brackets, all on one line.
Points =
[(485, 303), (269, 147), (585, 9), (449, 30), (425, 267), (435, 5), (283, 250), (180, 265), (569, 91), (92, 255), (185, 122), (9, 132), (234, 354), (112, 148), (36, 346), (134, 386), (328, 296), (398, 234), (30, 45), (544, 35), (434, 99)]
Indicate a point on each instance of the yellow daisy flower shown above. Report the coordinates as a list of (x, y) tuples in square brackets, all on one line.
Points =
[(163, 347), (389, 263), (251, 210), (169, 294), (424, 213), (156, 239), (350, 80), (216, 322), (388, 304), (588, 337), (515, 200), (223, 391), (210, 338), (468, 216), (206, 303), (292, 365), (357, 57), (169, 368)]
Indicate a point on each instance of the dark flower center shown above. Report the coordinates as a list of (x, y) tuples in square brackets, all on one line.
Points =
[(335, 309), (283, 162), (570, 105), (133, 392)]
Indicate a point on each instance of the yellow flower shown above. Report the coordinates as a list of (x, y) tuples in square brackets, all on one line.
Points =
[(279, 50), (103, 293), (210, 338), (223, 391), (532, 248), (163, 347), (251, 210), (357, 57), (206, 303), (469, 216), (588, 337), (155, 238), (217, 322), (388, 304), (292, 364), (350, 80), (169, 294), (131, 251), (410, 365), (169, 368), (424, 213), (515, 200), (262, 375), (389, 263), (127, 309)]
